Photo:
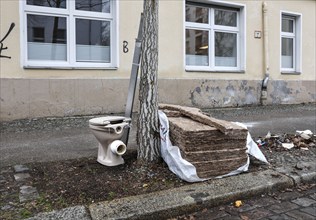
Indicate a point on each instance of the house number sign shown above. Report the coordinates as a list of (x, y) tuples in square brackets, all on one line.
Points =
[(125, 48)]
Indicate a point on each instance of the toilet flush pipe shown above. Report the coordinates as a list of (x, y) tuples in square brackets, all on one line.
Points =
[(118, 147), (266, 52)]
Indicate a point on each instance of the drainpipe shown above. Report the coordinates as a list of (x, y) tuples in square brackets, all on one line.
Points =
[(265, 80)]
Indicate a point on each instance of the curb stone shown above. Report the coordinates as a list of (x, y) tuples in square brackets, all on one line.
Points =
[(306, 174), (170, 203), (71, 213)]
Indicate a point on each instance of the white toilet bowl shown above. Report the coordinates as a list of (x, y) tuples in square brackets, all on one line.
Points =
[(108, 131)]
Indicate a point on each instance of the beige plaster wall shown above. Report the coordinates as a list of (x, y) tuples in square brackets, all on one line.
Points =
[(33, 98), (9, 12), (29, 93), (171, 57)]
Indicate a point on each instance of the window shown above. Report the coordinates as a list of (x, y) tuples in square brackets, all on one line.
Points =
[(290, 43), (70, 33), (214, 37)]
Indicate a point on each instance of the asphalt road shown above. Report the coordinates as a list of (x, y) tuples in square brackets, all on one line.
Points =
[(51, 139), (277, 119)]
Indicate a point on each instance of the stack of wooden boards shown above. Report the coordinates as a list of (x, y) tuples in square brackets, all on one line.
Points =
[(215, 147)]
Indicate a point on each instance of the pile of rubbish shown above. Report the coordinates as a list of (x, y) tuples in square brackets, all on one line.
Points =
[(303, 140)]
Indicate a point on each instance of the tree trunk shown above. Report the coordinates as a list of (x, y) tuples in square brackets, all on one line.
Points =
[(148, 138)]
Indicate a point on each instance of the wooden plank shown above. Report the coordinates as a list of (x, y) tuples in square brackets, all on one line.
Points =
[(195, 114)]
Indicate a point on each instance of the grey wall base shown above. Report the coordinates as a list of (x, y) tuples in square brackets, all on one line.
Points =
[(32, 98)]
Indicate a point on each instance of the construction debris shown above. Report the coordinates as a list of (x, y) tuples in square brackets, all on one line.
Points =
[(215, 147), (302, 140), (288, 145)]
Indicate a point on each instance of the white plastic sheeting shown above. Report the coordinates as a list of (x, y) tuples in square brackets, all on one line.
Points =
[(184, 169)]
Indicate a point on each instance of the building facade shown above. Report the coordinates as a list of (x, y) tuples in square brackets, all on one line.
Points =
[(66, 58)]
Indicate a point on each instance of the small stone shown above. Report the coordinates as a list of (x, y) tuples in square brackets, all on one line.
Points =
[(2, 179), (28, 193), (302, 145), (312, 144), (21, 176), (299, 166), (5, 170), (6, 207), (21, 168), (296, 141)]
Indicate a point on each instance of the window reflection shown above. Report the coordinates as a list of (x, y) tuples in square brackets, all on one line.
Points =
[(196, 14), (225, 49), (93, 5), (287, 25), (93, 40), (48, 3), (225, 18), (197, 47), (46, 37), (287, 53)]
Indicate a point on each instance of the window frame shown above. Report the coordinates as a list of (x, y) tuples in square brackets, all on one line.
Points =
[(71, 14), (240, 31), (297, 42)]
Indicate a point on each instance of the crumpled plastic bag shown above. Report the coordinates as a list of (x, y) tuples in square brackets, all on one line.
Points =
[(172, 156), (184, 169), (307, 134)]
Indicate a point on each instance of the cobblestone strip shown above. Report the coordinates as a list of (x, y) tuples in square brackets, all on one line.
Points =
[(15, 189), (292, 205), (5, 190), (27, 193)]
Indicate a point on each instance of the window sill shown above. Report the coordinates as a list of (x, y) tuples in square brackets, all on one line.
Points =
[(290, 73), (69, 68), (217, 71)]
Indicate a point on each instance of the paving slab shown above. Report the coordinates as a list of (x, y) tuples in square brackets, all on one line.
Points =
[(283, 207), (190, 198), (28, 193), (310, 210), (20, 177), (305, 202), (297, 214), (21, 168)]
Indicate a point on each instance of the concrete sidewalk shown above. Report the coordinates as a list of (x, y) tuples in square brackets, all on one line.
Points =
[(66, 138)]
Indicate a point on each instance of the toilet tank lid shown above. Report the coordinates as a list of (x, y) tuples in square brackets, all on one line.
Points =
[(108, 120)]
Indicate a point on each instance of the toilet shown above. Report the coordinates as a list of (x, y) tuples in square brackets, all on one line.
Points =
[(108, 131)]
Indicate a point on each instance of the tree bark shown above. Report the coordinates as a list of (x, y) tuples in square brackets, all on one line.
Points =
[(148, 137)]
